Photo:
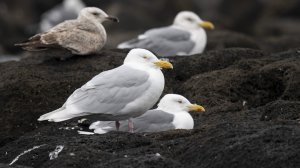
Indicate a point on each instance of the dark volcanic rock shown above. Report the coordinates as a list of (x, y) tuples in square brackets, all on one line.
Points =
[(278, 27), (252, 118), (35, 91), (240, 16), (281, 110), (226, 39), (13, 166), (280, 43), (281, 8)]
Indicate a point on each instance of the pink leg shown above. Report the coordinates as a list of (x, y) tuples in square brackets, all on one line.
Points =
[(117, 125), (130, 126)]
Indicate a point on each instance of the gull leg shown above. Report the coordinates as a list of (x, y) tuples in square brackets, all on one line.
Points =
[(130, 126), (117, 125)]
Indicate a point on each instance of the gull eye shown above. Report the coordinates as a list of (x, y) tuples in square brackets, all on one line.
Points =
[(95, 13), (179, 101), (145, 57), (190, 19)]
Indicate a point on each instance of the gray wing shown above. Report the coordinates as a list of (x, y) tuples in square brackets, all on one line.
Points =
[(151, 121), (108, 92), (168, 33), (165, 41)]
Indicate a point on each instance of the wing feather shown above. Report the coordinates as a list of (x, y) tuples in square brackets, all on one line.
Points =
[(163, 41), (151, 121), (109, 92)]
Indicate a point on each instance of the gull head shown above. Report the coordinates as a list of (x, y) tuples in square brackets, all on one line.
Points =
[(190, 20), (96, 14), (142, 58), (176, 103)]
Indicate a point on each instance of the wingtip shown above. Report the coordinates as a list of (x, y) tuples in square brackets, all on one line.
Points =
[(40, 119), (94, 125), (125, 45), (46, 119), (22, 43), (85, 133), (100, 131), (19, 44), (121, 46), (43, 117)]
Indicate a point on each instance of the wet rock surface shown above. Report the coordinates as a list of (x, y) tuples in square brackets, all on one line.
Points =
[(252, 118)]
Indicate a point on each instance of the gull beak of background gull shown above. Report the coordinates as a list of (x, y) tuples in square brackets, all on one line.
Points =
[(112, 18), (207, 25), (164, 64), (196, 107)]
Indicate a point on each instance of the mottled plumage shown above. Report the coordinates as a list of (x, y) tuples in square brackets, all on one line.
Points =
[(82, 36)]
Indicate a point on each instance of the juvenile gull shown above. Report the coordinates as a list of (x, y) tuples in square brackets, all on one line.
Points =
[(185, 36), (82, 36), (68, 9), (171, 113), (118, 94)]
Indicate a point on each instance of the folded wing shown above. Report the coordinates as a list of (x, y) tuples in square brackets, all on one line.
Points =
[(163, 41)]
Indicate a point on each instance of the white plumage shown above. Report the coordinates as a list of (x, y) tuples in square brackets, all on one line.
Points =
[(171, 113), (185, 36), (118, 94)]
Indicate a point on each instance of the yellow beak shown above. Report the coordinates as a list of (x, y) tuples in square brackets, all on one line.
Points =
[(196, 107), (164, 64), (207, 25)]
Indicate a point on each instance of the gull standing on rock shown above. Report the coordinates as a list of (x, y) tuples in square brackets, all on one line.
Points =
[(119, 94), (185, 36), (171, 113), (85, 35)]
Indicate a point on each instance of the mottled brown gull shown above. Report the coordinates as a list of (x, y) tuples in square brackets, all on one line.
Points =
[(82, 36)]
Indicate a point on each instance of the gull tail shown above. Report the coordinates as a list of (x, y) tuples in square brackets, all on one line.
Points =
[(58, 115), (33, 44), (128, 44), (102, 127), (85, 133), (100, 131), (95, 125)]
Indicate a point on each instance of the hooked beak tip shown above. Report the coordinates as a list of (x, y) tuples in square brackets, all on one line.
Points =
[(196, 107), (112, 18), (164, 64), (207, 25)]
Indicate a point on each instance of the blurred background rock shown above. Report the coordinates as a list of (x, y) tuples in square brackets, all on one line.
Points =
[(272, 23)]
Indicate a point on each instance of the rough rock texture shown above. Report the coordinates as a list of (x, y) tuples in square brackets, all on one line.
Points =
[(249, 85), (220, 39), (252, 118)]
